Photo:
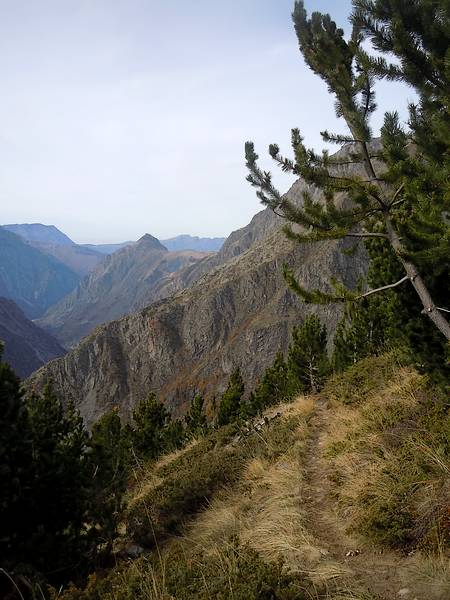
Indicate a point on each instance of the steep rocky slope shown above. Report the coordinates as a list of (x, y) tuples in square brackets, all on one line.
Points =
[(27, 347), (117, 287), (238, 313), (32, 279)]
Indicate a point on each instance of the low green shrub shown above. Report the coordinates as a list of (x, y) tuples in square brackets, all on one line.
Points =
[(233, 573), (355, 384)]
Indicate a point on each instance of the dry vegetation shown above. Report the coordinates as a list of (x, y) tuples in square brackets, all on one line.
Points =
[(274, 514)]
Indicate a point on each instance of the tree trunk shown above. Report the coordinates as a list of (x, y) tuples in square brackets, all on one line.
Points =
[(429, 307)]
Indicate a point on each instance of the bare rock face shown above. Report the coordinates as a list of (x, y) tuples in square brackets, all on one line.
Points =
[(231, 309)]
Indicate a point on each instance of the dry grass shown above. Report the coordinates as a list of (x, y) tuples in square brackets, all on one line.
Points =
[(267, 511), (390, 473), (148, 476), (430, 576), (304, 480)]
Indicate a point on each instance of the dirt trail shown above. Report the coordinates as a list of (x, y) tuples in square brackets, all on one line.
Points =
[(384, 574)]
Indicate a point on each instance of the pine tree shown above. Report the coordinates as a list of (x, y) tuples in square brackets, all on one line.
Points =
[(307, 360), (273, 388), (230, 402), (402, 205), (60, 495), (153, 431), (16, 470), (196, 423), (109, 465)]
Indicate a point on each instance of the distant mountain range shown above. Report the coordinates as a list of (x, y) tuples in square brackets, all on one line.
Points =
[(106, 248), (122, 283), (73, 288), (188, 242), (36, 232), (51, 236), (32, 279), (27, 347)]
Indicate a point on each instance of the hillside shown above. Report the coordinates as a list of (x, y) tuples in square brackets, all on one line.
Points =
[(27, 347), (32, 279), (339, 496), (117, 287)]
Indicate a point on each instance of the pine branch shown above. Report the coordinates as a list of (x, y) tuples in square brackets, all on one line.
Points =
[(336, 138), (367, 235), (394, 201), (383, 288), (309, 296)]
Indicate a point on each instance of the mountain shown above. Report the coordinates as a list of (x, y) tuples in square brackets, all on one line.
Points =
[(79, 259), (175, 244), (188, 242), (32, 279), (36, 232), (117, 287), (236, 312), (27, 347), (107, 248), (50, 240)]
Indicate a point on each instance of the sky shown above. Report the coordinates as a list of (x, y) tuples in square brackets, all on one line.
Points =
[(125, 117)]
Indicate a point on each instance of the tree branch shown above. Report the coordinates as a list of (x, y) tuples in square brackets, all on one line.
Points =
[(396, 195), (367, 235), (385, 287)]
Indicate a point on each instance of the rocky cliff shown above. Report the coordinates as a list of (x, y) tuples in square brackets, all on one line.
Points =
[(235, 311), (27, 347), (118, 286)]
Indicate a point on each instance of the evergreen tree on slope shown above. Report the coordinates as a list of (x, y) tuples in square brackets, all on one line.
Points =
[(403, 204), (230, 402), (307, 360)]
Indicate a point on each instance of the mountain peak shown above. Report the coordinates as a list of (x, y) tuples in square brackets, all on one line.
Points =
[(151, 241)]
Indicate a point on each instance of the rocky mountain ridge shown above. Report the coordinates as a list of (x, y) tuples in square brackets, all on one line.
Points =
[(37, 232), (117, 287)]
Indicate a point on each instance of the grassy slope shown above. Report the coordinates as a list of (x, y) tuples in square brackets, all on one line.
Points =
[(363, 470)]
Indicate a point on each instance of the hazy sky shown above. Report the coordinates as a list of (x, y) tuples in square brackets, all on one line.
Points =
[(120, 117)]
